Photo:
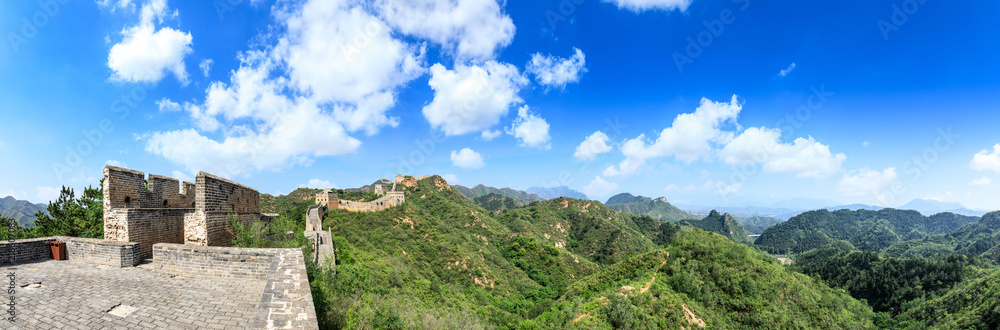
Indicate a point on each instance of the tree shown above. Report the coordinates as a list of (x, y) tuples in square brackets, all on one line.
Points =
[(69, 216)]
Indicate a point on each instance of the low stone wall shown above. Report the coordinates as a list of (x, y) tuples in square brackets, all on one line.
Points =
[(25, 251), (212, 261), (89, 250), (102, 252), (287, 301)]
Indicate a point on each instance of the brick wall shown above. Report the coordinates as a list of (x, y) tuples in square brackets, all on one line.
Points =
[(215, 200), (213, 261), (124, 188), (95, 251), (102, 252), (145, 226), (24, 251)]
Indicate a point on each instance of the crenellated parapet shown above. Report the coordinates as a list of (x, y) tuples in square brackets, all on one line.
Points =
[(159, 209)]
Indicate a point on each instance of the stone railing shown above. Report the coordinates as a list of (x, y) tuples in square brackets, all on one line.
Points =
[(212, 261), (89, 250)]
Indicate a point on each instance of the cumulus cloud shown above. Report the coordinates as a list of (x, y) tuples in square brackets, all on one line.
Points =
[(984, 181), (334, 70), (147, 54), (785, 72), (551, 71), (689, 138), (166, 105), (472, 98), (804, 157), (470, 29), (986, 160), (599, 188), (531, 130), (490, 134), (722, 188), (206, 66), (868, 183), (644, 5), (318, 184), (467, 159), (593, 145)]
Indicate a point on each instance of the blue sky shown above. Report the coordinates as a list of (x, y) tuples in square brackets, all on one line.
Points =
[(703, 102)]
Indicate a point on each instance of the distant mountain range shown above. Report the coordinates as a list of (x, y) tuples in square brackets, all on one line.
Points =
[(21, 211), (640, 205), (483, 190), (790, 208), (723, 224), (556, 192)]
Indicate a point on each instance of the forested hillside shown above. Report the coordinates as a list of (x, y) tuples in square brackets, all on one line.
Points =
[(865, 229), (723, 224), (497, 203), (757, 225), (640, 205), (981, 238), (441, 261), (481, 190)]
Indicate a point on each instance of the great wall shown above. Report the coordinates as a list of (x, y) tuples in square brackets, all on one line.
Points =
[(166, 260)]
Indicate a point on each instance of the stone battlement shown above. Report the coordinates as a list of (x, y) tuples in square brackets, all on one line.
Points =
[(389, 199), (156, 210)]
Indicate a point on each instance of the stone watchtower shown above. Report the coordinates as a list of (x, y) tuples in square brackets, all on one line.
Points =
[(328, 199)]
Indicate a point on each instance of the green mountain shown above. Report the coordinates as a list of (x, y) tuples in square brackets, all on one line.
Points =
[(723, 224), (865, 229), (639, 205), (556, 192), (496, 203), (889, 284), (703, 280), (481, 190), (442, 261), (274, 204), (757, 225), (973, 305), (981, 238), (21, 211)]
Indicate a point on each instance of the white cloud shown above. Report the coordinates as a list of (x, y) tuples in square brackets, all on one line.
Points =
[(470, 29), (593, 145), (168, 106), (532, 130), (986, 160), (450, 178), (335, 70), (45, 194), (472, 98), (803, 157), (785, 72), (119, 4), (643, 5), (318, 184), (865, 144), (115, 163), (551, 71), (984, 181), (868, 183), (599, 188), (467, 159), (180, 176), (490, 134), (146, 54), (689, 138), (206, 66)]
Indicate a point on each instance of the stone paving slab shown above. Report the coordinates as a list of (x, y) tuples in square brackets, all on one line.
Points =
[(72, 295)]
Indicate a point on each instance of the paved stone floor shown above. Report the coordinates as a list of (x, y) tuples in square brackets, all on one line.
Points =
[(71, 295)]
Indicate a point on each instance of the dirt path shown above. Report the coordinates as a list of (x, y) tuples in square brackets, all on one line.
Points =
[(650, 283)]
